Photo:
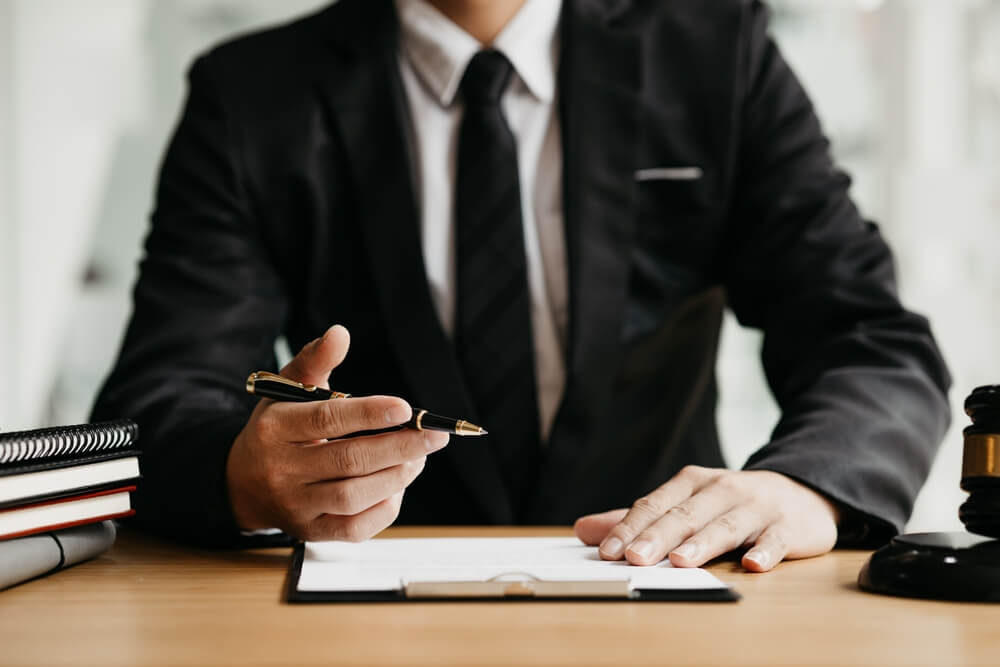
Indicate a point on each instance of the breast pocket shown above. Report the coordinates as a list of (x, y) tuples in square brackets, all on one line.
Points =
[(672, 258), (672, 174), (679, 210)]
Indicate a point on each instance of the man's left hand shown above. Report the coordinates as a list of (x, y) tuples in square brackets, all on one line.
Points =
[(704, 512)]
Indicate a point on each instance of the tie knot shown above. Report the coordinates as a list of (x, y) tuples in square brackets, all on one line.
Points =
[(486, 77)]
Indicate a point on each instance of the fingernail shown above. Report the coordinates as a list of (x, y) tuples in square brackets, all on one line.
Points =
[(612, 547), (758, 556), (687, 551), (398, 414), (642, 549), (326, 334)]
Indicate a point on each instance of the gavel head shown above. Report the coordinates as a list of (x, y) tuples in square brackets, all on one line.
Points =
[(981, 463)]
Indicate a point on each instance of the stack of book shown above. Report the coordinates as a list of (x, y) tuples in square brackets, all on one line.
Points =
[(67, 481)]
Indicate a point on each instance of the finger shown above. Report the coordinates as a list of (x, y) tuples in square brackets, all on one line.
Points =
[(357, 528), (768, 550), (724, 533), (649, 508), (593, 528), (334, 418), (679, 523), (314, 362), (357, 457), (352, 496)]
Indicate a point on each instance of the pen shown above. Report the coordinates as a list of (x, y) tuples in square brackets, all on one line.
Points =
[(269, 385)]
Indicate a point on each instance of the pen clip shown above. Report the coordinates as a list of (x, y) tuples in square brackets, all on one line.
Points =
[(273, 377)]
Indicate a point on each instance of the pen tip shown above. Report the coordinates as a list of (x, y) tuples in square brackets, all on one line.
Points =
[(463, 427)]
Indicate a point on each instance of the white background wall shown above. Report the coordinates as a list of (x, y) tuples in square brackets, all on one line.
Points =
[(70, 94), (89, 89), (909, 90), (8, 254)]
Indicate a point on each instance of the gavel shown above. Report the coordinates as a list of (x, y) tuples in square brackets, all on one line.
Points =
[(954, 565), (981, 463)]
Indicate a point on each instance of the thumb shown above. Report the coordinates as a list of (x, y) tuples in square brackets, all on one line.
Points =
[(593, 528), (314, 362)]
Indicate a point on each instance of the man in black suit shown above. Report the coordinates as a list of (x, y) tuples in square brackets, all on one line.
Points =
[(539, 235)]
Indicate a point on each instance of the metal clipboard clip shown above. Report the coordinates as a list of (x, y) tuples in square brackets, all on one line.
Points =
[(518, 585)]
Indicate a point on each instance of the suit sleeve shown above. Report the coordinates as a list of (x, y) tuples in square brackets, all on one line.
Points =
[(859, 380), (208, 306)]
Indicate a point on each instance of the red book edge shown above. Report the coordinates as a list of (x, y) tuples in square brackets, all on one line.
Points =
[(70, 524)]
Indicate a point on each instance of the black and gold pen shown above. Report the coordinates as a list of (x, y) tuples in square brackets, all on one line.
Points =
[(269, 385)]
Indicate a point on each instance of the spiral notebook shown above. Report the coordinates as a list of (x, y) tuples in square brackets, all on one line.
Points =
[(51, 463), (21, 448)]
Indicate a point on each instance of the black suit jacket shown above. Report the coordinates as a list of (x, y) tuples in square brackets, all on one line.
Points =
[(286, 204)]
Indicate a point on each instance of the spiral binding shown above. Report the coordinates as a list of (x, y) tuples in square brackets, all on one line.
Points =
[(61, 441)]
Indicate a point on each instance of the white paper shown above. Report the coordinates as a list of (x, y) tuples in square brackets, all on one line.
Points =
[(390, 564)]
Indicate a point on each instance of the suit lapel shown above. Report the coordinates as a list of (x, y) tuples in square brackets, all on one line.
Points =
[(599, 81), (368, 105)]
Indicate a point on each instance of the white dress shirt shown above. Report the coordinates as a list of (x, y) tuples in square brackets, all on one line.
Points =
[(434, 53)]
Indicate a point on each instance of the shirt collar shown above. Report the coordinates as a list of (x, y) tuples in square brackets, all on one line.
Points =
[(439, 51)]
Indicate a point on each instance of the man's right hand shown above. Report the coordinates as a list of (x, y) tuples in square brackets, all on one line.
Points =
[(283, 473)]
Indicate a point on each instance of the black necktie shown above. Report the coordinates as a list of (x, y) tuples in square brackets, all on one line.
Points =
[(493, 316)]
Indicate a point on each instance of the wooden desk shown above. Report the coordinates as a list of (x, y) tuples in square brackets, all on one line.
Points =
[(147, 602)]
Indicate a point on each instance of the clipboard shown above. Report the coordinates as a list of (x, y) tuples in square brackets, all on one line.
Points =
[(515, 569)]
